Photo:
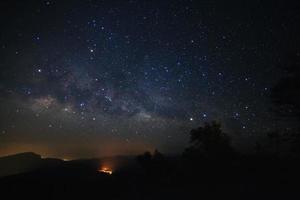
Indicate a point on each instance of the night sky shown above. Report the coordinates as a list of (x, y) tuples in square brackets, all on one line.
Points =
[(94, 78)]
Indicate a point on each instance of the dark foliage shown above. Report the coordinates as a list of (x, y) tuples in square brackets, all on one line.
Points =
[(210, 141), (286, 94)]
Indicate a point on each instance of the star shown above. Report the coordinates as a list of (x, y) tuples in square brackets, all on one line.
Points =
[(97, 72)]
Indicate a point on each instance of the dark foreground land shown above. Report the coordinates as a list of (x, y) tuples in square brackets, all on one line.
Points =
[(156, 177)]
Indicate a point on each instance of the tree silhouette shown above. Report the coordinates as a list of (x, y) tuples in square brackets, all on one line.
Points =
[(158, 157), (154, 164), (296, 144), (286, 94), (286, 102), (210, 141), (275, 140), (145, 159)]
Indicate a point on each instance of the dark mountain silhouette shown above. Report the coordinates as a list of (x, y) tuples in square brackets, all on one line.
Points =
[(209, 168), (29, 162), (19, 163)]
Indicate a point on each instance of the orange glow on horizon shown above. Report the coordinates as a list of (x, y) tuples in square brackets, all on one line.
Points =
[(105, 170)]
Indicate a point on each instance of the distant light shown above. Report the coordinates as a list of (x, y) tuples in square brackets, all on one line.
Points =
[(191, 119), (39, 70), (92, 50), (105, 170)]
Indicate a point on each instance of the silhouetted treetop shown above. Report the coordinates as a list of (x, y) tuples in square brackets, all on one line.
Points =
[(210, 140), (286, 94)]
